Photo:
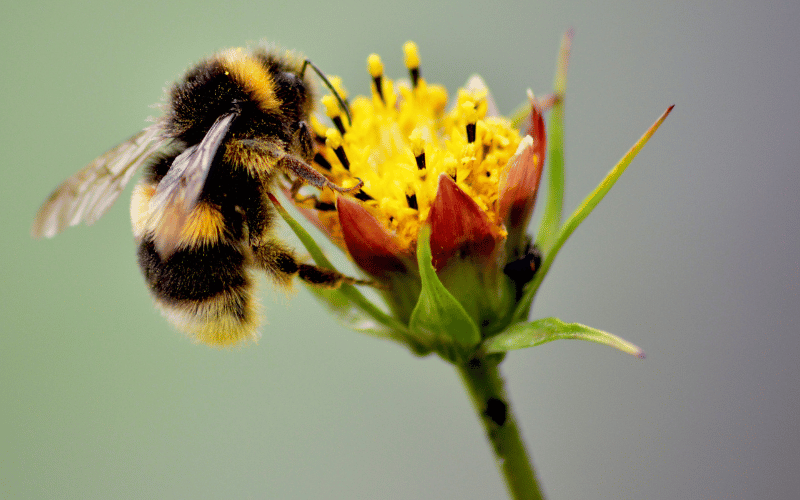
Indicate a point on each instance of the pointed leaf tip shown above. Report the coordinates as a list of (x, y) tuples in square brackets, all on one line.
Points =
[(541, 331)]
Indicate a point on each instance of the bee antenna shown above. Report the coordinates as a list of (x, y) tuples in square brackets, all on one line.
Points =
[(342, 103)]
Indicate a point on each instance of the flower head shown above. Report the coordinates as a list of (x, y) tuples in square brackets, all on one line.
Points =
[(458, 167), (440, 222)]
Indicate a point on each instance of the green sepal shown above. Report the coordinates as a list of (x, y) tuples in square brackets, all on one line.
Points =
[(438, 319), (541, 331), (474, 284), (551, 219)]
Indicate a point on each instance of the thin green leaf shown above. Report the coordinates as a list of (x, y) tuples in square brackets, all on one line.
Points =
[(438, 316), (541, 331), (583, 211), (551, 219), (336, 299), (603, 188)]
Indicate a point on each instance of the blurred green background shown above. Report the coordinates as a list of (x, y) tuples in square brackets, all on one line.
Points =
[(693, 256)]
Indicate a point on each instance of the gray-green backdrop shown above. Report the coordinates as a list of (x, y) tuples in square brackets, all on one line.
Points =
[(693, 256)]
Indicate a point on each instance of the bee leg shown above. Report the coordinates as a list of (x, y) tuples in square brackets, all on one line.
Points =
[(311, 200), (295, 190), (280, 264), (309, 153), (298, 167), (289, 163)]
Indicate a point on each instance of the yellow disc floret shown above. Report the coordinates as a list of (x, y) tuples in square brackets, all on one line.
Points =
[(401, 140)]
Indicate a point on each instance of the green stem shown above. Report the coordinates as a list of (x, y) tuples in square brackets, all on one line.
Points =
[(484, 383)]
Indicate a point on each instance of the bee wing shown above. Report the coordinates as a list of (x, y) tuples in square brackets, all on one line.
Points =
[(88, 194), (179, 190)]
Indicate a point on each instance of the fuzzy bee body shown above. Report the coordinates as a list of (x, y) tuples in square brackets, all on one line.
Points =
[(201, 214)]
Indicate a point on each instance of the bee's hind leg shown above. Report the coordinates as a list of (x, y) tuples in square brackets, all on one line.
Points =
[(280, 264)]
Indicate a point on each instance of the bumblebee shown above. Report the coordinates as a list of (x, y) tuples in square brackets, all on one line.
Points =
[(201, 215)]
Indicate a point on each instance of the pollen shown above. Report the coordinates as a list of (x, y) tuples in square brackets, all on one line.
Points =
[(402, 138)]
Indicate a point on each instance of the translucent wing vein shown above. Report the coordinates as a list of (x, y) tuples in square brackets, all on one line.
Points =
[(88, 194)]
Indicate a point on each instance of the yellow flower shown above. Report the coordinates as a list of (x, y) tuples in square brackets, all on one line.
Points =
[(446, 189), (459, 167)]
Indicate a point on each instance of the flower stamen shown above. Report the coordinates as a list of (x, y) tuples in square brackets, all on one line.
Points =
[(334, 141), (333, 112), (418, 148), (376, 71), (411, 197), (412, 61), (470, 111)]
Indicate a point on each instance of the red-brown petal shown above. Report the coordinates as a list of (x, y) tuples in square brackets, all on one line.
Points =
[(459, 226), (519, 182), (369, 243), (313, 216)]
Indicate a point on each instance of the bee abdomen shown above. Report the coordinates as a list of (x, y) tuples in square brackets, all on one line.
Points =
[(205, 291)]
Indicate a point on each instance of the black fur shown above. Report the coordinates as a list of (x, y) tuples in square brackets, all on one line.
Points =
[(193, 274)]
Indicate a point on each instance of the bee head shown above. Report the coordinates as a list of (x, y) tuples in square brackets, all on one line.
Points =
[(265, 90)]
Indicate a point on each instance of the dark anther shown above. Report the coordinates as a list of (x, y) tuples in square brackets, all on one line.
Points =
[(421, 161), (470, 132), (412, 201), (322, 162), (414, 76), (364, 196), (342, 157), (324, 206), (379, 87), (337, 120)]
